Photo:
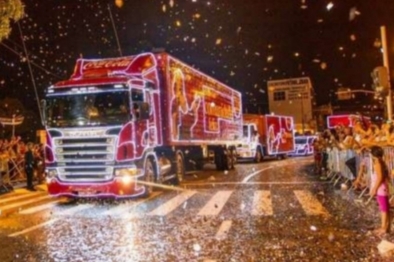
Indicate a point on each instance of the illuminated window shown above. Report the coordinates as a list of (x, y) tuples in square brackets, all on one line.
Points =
[(279, 96)]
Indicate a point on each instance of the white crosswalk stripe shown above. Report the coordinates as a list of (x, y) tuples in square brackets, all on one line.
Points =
[(126, 208), (262, 204), (172, 204), (215, 204), (18, 197), (36, 209), (258, 203), (310, 204), (23, 203), (68, 212)]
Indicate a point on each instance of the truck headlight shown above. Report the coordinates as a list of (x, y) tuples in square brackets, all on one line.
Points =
[(51, 175), (127, 179), (131, 171)]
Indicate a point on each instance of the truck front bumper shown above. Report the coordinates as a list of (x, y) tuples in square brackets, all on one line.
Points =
[(117, 188)]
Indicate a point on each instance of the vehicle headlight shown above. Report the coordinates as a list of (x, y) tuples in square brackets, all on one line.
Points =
[(51, 173), (127, 179), (131, 171)]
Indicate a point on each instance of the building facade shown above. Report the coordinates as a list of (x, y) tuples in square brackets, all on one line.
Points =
[(293, 97)]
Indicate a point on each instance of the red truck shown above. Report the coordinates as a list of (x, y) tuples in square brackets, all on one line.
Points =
[(347, 120), (120, 125), (266, 136)]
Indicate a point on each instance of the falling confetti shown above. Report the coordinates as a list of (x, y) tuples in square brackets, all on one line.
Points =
[(197, 247), (119, 3), (353, 13), (353, 37), (329, 6), (239, 30)]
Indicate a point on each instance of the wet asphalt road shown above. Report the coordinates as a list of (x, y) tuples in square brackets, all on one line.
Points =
[(272, 211)]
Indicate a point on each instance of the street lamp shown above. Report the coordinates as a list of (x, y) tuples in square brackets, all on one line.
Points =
[(302, 113)]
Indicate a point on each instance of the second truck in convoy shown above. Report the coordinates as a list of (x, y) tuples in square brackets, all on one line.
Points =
[(266, 136)]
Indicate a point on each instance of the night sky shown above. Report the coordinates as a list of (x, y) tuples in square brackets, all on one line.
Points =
[(241, 43)]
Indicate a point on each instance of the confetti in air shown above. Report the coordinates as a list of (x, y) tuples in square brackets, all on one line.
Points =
[(119, 3), (329, 6), (353, 13)]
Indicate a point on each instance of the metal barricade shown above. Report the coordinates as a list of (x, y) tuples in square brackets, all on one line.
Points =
[(337, 165), (333, 163), (389, 159)]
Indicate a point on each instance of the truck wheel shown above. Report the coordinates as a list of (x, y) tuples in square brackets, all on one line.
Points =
[(221, 159), (231, 158), (179, 168), (259, 156), (149, 176)]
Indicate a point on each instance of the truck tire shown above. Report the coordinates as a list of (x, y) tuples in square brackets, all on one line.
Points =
[(221, 160), (179, 168), (258, 156), (231, 158), (149, 176)]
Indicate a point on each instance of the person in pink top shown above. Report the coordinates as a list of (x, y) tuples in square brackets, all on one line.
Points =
[(380, 188)]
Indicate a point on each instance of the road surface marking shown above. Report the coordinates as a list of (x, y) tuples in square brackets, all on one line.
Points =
[(246, 179), (215, 204), (256, 183), (223, 229), (171, 204), (262, 203), (26, 202), (126, 208), (18, 197), (309, 203), (39, 208), (69, 212)]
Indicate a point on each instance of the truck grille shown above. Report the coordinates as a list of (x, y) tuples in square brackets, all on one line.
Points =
[(85, 159)]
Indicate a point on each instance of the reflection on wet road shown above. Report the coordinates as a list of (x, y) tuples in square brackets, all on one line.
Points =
[(274, 211)]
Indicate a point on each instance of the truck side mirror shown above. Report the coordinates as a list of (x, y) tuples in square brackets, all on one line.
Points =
[(144, 111), (141, 111)]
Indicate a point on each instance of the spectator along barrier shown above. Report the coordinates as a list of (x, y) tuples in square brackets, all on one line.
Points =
[(12, 164), (338, 171)]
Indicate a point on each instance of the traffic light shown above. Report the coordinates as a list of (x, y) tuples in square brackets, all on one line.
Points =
[(381, 82)]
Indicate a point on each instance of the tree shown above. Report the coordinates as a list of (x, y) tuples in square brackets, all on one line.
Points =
[(9, 10)]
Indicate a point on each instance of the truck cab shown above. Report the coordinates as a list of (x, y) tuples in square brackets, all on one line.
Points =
[(251, 147)]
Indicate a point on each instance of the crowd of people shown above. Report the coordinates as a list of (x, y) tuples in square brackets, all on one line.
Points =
[(365, 141), (20, 161)]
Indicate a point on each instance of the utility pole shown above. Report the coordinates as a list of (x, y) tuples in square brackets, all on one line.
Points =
[(386, 64)]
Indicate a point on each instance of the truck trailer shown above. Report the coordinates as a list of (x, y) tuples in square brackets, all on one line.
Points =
[(266, 136), (120, 125)]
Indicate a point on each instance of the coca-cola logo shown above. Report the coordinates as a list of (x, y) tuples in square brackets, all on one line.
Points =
[(116, 63)]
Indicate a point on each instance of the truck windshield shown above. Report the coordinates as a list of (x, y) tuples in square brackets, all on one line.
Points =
[(92, 109)]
